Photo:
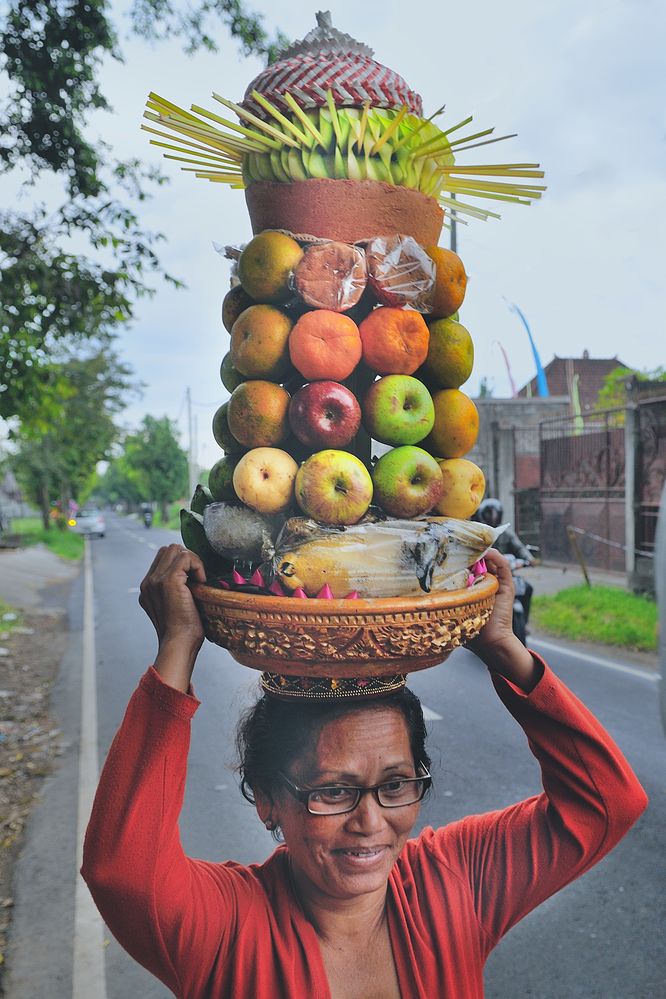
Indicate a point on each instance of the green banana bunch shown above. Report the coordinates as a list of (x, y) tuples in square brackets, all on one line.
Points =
[(347, 144)]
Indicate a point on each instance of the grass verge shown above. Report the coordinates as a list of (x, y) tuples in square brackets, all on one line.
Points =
[(66, 543), (10, 618), (602, 614)]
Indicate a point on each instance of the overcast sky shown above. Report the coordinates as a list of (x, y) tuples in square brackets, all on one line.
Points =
[(582, 84)]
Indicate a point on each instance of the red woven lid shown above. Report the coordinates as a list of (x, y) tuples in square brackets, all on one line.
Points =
[(325, 60)]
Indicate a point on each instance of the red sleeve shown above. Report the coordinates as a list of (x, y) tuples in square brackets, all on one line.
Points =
[(172, 914), (517, 857)]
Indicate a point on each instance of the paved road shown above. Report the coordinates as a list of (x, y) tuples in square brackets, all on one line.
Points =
[(601, 937)]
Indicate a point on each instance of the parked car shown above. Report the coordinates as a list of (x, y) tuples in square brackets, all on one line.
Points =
[(89, 521)]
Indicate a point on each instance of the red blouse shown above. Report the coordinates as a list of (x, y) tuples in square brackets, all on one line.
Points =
[(225, 931)]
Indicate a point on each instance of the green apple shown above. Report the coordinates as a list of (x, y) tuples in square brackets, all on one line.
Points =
[(334, 487), (407, 482), (398, 409), (264, 479)]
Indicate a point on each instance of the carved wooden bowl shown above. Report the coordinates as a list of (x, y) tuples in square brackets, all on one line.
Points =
[(343, 638)]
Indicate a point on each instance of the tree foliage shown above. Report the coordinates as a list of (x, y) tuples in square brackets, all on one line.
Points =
[(613, 393), (152, 467), (51, 293), (56, 459)]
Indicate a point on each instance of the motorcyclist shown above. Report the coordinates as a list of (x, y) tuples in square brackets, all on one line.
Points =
[(491, 512)]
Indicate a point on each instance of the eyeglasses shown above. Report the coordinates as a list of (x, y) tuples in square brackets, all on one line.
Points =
[(338, 799)]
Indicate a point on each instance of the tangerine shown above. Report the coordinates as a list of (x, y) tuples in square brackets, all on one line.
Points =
[(259, 343), (450, 354), (395, 341), (266, 266), (325, 344), (257, 414), (450, 282), (456, 426)]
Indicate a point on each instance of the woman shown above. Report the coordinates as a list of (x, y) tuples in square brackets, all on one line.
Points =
[(349, 906)]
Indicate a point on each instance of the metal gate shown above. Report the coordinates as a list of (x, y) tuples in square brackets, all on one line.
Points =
[(582, 479)]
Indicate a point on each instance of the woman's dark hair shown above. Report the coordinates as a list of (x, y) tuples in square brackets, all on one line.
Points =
[(272, 734)]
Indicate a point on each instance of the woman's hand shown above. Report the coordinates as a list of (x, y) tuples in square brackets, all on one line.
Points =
[(167, 600), (496, 645)]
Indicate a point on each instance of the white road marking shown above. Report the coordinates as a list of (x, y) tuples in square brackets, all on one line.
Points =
[(88, 976), (151, 545), (429, 714), (643, 674)]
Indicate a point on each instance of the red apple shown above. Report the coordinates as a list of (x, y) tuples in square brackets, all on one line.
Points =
[(334, 487), (325, 415), (408, 482), (398, 409)]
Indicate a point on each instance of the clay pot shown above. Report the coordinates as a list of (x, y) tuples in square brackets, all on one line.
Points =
[(346, 210)]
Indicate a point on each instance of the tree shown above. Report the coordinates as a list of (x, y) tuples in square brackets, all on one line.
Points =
[(613, 393), (152, 467), (58, 457), (51, 54)]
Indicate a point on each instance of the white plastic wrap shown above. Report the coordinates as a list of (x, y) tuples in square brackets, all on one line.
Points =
[(389, 558)]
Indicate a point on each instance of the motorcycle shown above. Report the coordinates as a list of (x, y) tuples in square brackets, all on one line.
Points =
[(147, 517), (522, 596)]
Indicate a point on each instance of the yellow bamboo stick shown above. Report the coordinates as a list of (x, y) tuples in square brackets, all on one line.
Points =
[(461, 206), (249, 132), (487, 194), (284, 121), (167, 104), (215, 139), (263, 125), (493, 185), (188, 159), (301, 115), (334, 116), (488, 142), (183, 142), (386, 135), (221, 161), (363, 124)]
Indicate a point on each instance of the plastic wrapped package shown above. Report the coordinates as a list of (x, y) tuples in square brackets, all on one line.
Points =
[(331, 275), (388, 558), (400, 272)]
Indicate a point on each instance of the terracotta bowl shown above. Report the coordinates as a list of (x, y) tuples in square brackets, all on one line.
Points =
[(343, 638)]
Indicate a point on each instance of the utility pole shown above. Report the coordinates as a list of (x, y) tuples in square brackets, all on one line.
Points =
[(191, 472), (454, 231)]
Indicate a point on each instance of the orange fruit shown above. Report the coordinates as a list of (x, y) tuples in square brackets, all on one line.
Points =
[(450, 354), (450, 282), (325, 344), (266, 265), (464, 486), (260, 343), (395, 341), (257, 414), (456, 426), (235, 301)]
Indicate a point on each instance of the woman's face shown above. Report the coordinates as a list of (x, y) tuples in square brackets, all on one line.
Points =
[(349, 855)]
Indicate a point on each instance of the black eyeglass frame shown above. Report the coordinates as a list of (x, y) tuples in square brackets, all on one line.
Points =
[(302, 794)]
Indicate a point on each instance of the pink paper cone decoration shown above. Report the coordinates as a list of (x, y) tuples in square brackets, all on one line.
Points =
[(300, 592), (257, 579), (276, 589), (353, 595), (237, 578), (325, 593)]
